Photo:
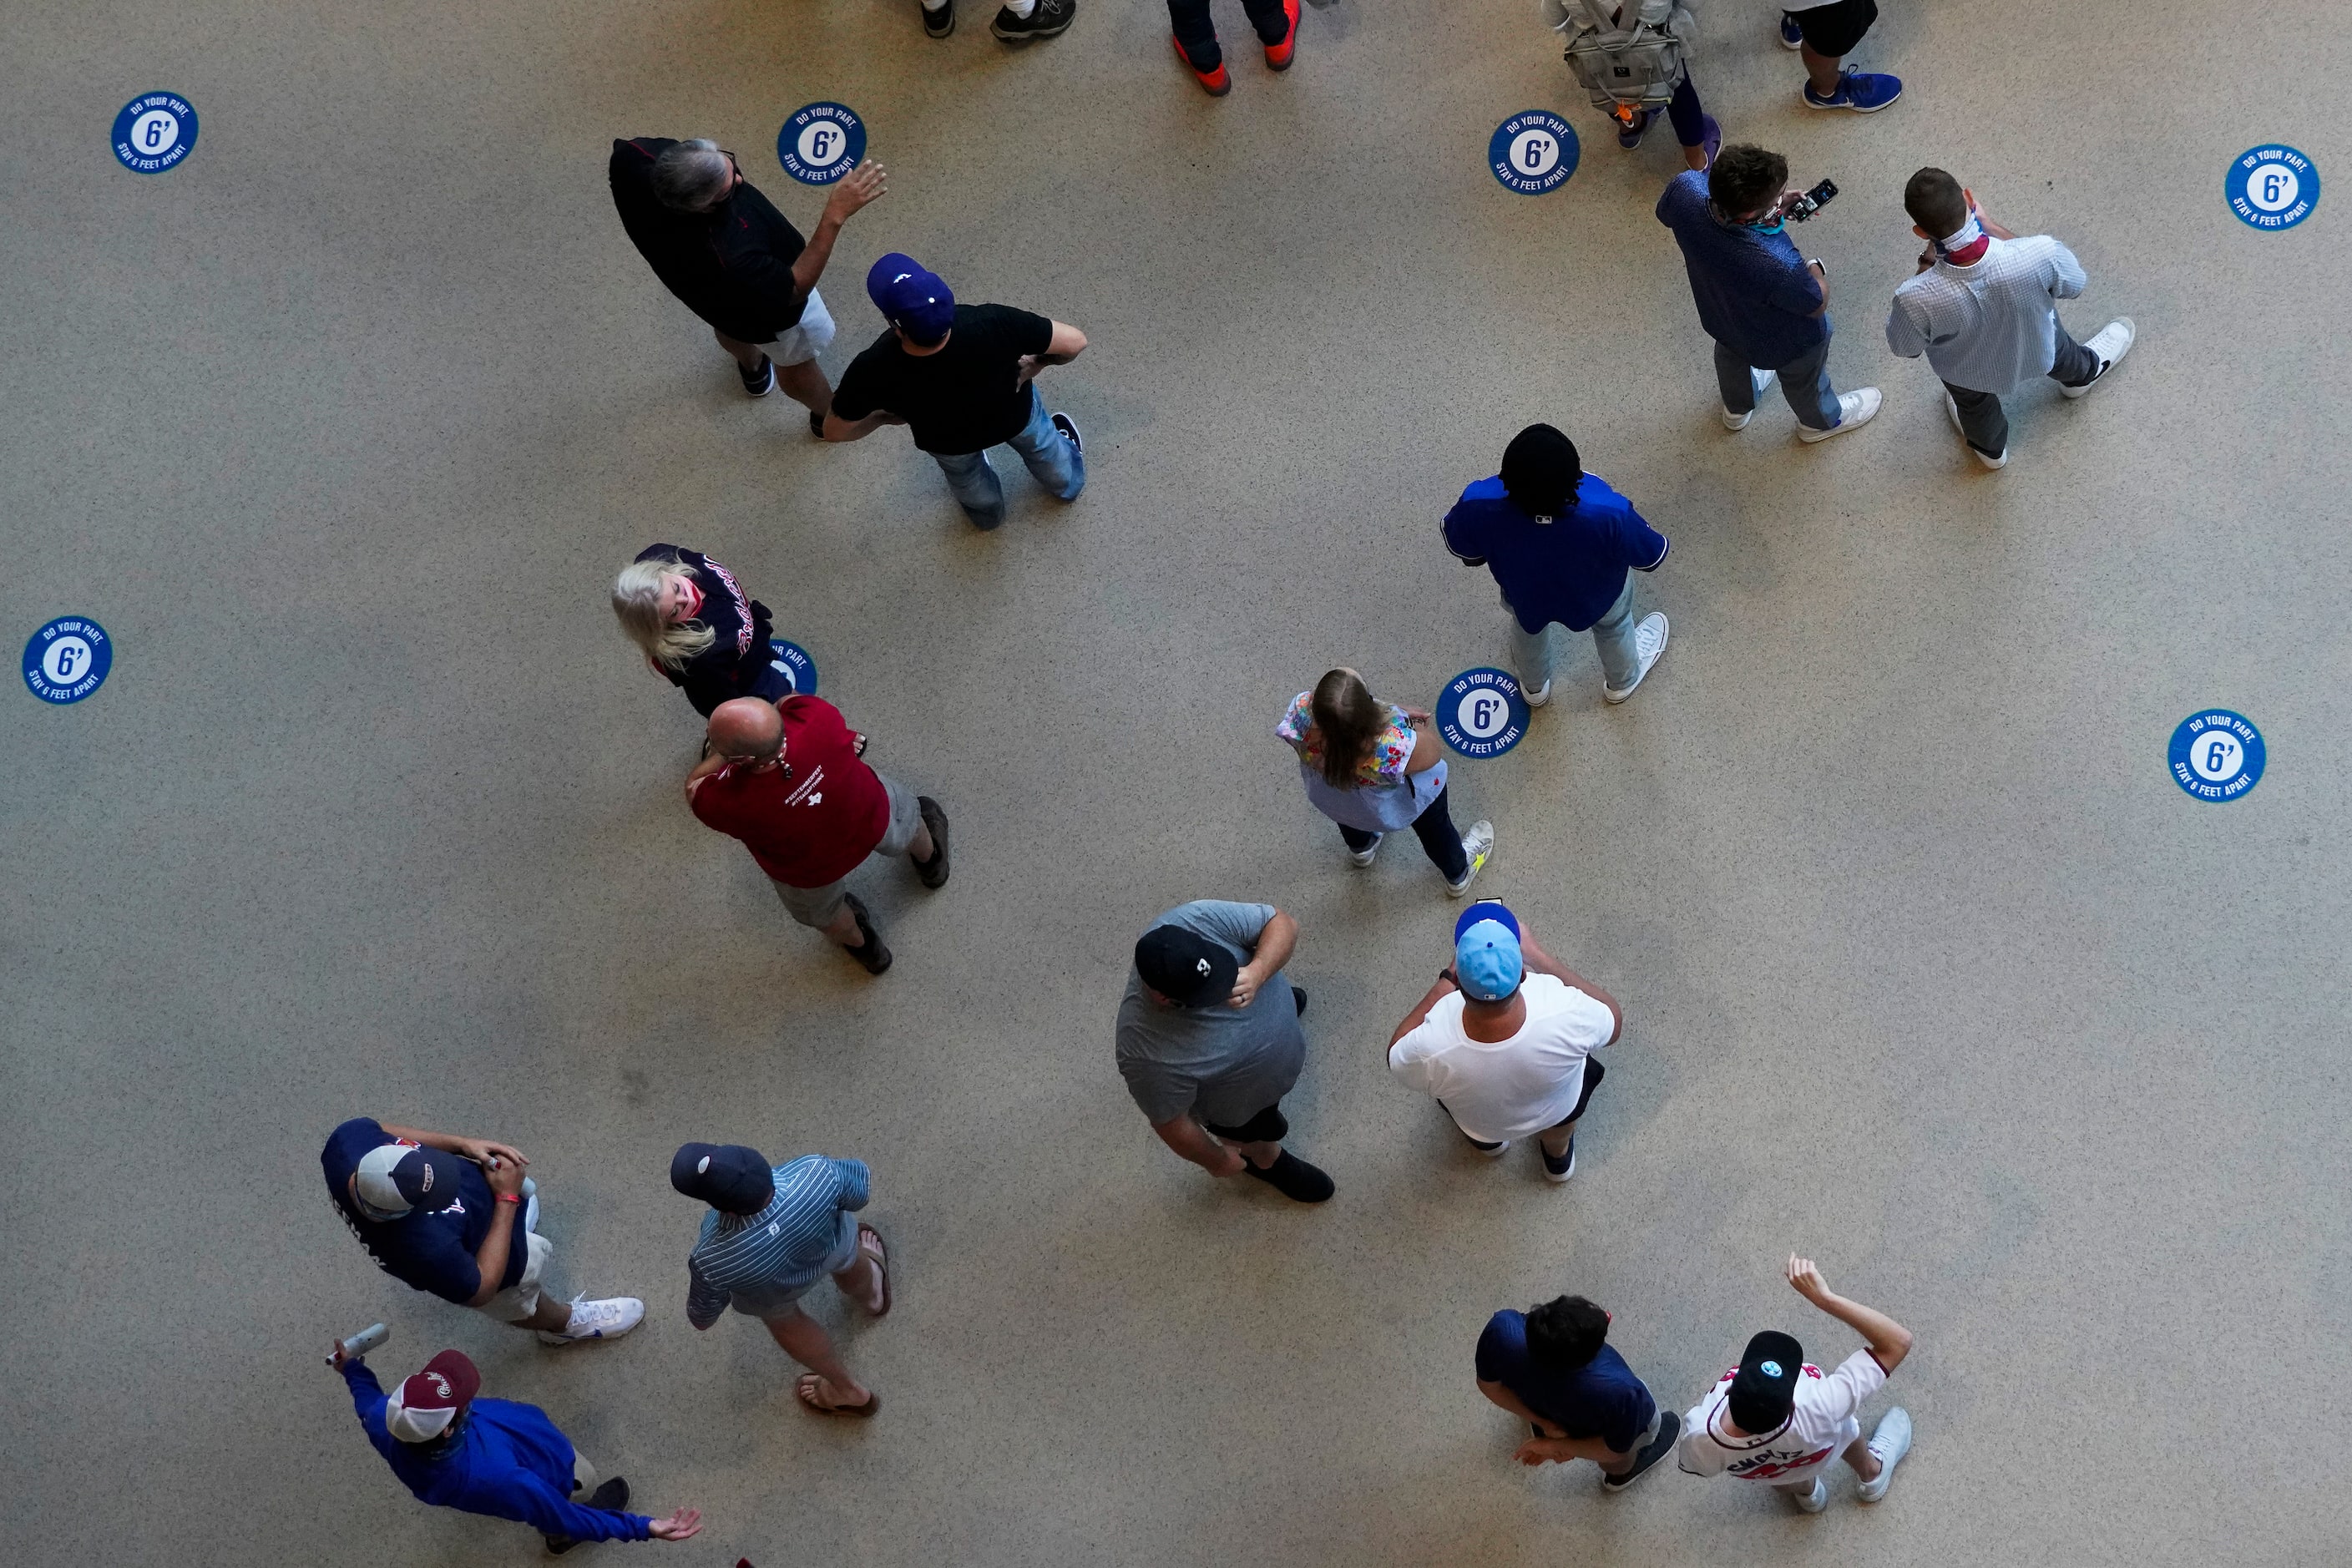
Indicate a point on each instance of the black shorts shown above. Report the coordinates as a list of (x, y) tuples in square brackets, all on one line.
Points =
[(1266, 1126), (1833, 30)]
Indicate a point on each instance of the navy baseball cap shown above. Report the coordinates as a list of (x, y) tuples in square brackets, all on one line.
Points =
[(395, 1178), (1188, 969), (1764, 1389), (727, 1176), (917, 301), (1487, 964)]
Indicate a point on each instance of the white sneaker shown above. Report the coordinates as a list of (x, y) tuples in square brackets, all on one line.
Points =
[(1649, 642), (1479, 845), (2110, 342), (1539, 697), (1953, 409), (1854, 409), (1888, 1445), (606, 1319), (1762, 381), (1811, 1501), (1364, 857)]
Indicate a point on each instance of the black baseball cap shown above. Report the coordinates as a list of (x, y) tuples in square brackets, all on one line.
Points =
[(1764, 1389), (1188, 969), (727, 1176)]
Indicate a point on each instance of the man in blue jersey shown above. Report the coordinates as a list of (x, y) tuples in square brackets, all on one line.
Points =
[(771, 1232), (1552, 1367), (494, 1456), (1560, 544)]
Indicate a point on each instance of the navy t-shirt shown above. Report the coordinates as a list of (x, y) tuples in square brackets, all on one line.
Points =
[(1601, 1399), (428, 1250), (1569, 570), (1754, 293)]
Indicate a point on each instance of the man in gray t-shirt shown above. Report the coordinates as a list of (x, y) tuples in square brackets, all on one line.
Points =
[(1209, 1040)]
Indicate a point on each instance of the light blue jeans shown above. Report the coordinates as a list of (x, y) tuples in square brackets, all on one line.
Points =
[(1612, 634), (1054, 462)]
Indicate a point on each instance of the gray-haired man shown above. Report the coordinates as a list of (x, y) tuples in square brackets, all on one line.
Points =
[(734, 260)]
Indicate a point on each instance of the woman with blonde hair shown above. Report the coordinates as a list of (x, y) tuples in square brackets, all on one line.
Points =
[(698, 629), (1368, 769)]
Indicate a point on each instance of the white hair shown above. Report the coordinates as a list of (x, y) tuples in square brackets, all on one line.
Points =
[(691, 174)]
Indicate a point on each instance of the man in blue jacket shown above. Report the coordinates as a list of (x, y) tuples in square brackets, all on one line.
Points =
[(1560, 542), (494, 1456)]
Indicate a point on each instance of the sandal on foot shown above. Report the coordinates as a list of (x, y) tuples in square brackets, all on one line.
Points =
[(881, 1256), (806, 1389)]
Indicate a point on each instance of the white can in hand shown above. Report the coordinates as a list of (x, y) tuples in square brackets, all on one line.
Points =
[(360, 1344)]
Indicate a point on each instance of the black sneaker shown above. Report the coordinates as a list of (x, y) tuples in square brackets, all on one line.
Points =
[(1670, 1427), (938, 24), (1564, 1167), (1051, 19), (933, 871), (1070, 430), (612, 1497), (1291, 1176), (871, 953), (761, 382), (817, 425), (1298, 999)]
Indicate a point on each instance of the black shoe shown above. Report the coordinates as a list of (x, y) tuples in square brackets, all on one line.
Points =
[(817, 425), (933, 871), (1299, 1000), (1670, 1427), (938, 24), (871, 953), (761, 382), (1070, 430), (1291, 1176), (1051, 19), (612, 1497)]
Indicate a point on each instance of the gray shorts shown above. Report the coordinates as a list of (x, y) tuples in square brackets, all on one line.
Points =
[(820, 907)]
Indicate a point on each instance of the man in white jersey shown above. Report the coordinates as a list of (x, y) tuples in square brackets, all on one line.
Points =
[(1777, 1419)]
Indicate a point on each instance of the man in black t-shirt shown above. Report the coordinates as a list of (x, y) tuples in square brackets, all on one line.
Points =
[(959, 376), (734, 260)]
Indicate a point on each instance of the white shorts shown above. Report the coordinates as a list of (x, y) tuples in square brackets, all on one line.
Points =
[(810, 337)]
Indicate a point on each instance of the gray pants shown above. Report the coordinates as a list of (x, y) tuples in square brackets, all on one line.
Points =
[(1981, 420), (1612, 635), (1804, 381)]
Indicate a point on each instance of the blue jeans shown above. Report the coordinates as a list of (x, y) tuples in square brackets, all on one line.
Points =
[(1804, 381), (1612, 634), (1054, 462)]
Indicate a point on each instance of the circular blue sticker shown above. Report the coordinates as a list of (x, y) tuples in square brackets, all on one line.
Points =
[(155, 132), (1481, 713), (2272, 186), (1532, 153), (795, 662), (2217, 755), (67, 660), (821, 143)]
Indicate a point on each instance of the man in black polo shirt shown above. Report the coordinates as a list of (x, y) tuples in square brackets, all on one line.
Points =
[(734, 260), (959, 376)]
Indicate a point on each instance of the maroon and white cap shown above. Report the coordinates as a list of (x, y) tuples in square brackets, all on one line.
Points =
[(424, 1405)]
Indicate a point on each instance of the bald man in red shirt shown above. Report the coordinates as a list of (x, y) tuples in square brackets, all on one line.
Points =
[(788, 779)]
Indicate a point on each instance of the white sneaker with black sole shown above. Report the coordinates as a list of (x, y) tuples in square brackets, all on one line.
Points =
[(1953, 409), (606, 1319), (2110, 342), (1649, 642), (1856, 410), (1047, 19), (1762, 381), (1478, 843), (1888, 1445)]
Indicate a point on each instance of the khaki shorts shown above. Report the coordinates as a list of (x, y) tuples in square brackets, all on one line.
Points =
[(519, 1300), (820, 907)]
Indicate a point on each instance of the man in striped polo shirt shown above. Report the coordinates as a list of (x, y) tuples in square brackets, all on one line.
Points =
[(770, 1233)]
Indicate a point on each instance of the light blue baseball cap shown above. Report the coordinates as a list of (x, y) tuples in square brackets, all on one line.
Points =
[(1487, 964)]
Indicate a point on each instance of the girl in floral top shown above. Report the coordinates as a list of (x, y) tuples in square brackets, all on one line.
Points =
[(1369, 770)]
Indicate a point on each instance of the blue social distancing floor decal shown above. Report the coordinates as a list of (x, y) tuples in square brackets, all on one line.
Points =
[(155, 132), (2272, 186), (1532, 153), (821, 143), (1482, 712), (795, 662), (2217, 755), (67, 660)]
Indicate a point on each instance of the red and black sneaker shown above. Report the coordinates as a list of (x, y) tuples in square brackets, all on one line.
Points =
[(1279, 55), (1215, 83)]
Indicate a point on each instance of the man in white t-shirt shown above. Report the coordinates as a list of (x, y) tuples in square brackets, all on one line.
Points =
[(1777, 1419), (1506, 1053)]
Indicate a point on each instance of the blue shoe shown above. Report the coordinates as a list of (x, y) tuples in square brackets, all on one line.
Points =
[(1630, 136), (1864, 92), (1792, 37)]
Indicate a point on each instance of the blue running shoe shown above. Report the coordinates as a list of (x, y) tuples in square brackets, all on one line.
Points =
[(1792, 37), (1864, 92)]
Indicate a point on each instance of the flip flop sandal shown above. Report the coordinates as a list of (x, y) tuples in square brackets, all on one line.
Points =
[(806, 1389), (881, 1256)]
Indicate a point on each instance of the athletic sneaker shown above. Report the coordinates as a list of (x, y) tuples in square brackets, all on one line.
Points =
[(1631, 132), (1761, 380), (612, 1497), (762, 381), (1854, 410), (1670, 1427), (1792, 37), (1070, 430), (1051, 19), (1492, 1150), (933, 872), (1649, 642), (1279, 55), (817, 425), (1539, 697), (606, 1319), (1559, 1170), (1291, 1176), (2110, 342), (1864, 92), (1364, 857), (1215, 83), (1811, 1501), (1710, 138), (1887, 1445), (1478, 843), (1953, 409), (872, 953), (938, 24)]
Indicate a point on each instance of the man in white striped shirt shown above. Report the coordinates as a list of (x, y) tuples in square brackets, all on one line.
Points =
[(771, 1234)]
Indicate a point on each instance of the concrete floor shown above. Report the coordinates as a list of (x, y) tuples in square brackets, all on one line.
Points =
[(342, 427)]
